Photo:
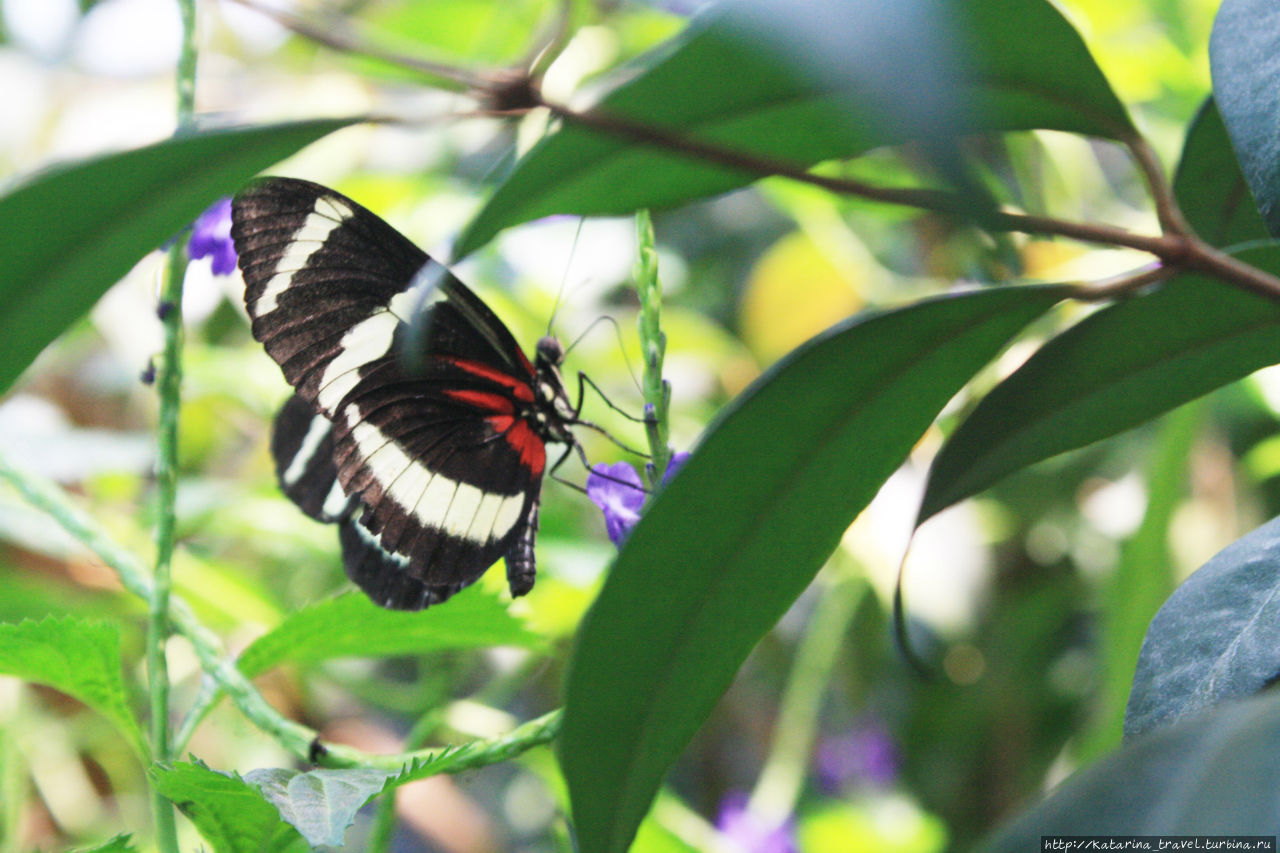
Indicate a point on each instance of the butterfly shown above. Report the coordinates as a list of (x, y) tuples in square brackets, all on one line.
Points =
[(431, 465)]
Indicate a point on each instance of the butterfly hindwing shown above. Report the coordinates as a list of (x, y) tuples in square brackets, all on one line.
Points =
[(431, 465), (302, 446)]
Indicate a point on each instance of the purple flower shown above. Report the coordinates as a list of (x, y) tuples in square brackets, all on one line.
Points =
[(617, 490), (750, 832), (211, 237), (863, 755), (677, 460)]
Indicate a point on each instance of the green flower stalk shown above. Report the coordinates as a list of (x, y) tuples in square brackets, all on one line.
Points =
[(657, 391)]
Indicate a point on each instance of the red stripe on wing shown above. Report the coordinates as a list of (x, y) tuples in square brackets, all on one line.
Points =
[(518, 433), (519, 387), (485, 400)]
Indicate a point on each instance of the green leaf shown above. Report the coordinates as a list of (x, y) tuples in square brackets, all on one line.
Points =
[(1142, 579), (350, 625), (73, 231), (121, 843), (77, 656), (776, 81), (1244, 56), (1211, 189), (742, 529), (1117, 368), (231, 814), (322, 803), (1216, 638), (1212, 775)]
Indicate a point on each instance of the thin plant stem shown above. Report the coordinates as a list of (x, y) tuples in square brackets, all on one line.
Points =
[(169, 385), (782, 778), (206, 700), (169, 380)]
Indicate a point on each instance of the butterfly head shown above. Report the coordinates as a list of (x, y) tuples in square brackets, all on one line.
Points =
[(549, 353), (548, 356)]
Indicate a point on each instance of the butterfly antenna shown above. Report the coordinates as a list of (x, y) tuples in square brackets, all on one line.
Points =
[(564, 279), (617, 333)]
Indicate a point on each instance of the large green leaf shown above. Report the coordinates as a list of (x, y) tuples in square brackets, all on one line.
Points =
[(231, 814), (1244, 56), (73, 231), (743, 528), (350, 625), (799, 83), (1117, 368), (1216, 638), (77, 656), (1211, 189), (1215, 774), (321, 803)]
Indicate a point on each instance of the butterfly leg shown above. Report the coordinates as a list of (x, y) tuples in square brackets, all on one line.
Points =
[(585, 380)]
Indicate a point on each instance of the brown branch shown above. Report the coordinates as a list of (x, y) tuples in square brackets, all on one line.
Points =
[(937, 201), (1123, 285), (458, 79), (1168, 213), (513, 92)]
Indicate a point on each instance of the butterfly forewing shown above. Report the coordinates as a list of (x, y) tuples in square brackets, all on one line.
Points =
[(431, 464)]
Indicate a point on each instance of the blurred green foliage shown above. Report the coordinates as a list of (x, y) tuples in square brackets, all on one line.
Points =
[(1014, 596)]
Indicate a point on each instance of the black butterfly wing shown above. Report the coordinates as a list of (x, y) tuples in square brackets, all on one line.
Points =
[(437, 474)]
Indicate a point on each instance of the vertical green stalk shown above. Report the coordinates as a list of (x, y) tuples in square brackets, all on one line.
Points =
[(657, 391), (782, 778), (13, 794), (169, 386)]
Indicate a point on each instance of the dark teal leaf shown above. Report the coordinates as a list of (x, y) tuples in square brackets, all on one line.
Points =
[(230, 814), (1211, 189), (743, 528), (73, 231), (322, 803), (1215, 774), (350, 625), (799, 83), (1117, 368), (1244, 56), (1216, 638), (77, 656)]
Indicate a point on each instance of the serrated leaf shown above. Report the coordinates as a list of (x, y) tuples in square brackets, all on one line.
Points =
[(122, 843), (738, 534), (349, 625), (799, 83), (77, 656), (1215, 774), (73, 231), (231, 814), (1216, 638), (322, 803), (1120, 366), (1211, 189), (1244, 57)]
